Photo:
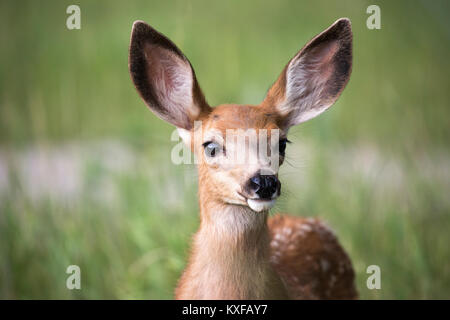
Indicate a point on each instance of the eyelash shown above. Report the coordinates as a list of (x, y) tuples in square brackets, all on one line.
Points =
[(283, 142)]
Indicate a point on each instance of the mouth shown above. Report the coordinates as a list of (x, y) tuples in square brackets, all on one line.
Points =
[(259, 205)]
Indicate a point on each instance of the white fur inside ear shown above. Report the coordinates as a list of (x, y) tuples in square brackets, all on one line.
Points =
[(307, 83), (312, 113), (304, 86), (174, 88), (185, 135), (172, 79)]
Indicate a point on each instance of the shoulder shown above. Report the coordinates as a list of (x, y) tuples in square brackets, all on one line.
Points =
[(308, 256), (312, 232)]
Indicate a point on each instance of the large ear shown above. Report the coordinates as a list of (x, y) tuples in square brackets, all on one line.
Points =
[(315, 77), (164, 77)]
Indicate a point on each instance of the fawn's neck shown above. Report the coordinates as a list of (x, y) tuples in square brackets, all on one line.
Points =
[(230, 256)]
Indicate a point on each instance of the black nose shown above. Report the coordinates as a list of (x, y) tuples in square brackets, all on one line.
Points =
[(265, 185)]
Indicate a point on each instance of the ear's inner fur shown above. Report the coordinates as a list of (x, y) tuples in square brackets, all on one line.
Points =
[(171, 83), (164, 77), (313, 80)]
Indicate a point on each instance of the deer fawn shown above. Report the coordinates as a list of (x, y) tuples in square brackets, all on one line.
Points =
[(238, 252)]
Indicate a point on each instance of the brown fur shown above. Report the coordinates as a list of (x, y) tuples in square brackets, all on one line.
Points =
[(244, 248), (230, 259), (239, 253), (310, 260)]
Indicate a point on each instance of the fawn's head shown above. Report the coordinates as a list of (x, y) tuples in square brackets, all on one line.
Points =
[(240, 147)]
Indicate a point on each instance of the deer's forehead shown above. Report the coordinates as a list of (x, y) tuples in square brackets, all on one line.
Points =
[(244, 117)]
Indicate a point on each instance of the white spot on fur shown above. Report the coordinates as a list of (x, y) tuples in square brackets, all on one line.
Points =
[(305, 227), (325, 265)]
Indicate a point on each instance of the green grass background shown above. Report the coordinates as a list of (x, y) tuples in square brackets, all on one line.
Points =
[(375, 166)]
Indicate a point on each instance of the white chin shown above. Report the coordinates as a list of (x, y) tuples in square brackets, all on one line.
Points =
[(260, 205)]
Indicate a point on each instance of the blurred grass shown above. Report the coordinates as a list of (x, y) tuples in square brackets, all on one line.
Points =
[(58, 86)]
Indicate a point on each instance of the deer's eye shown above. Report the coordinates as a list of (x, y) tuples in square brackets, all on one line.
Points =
[(211, 149), (282, 146)]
